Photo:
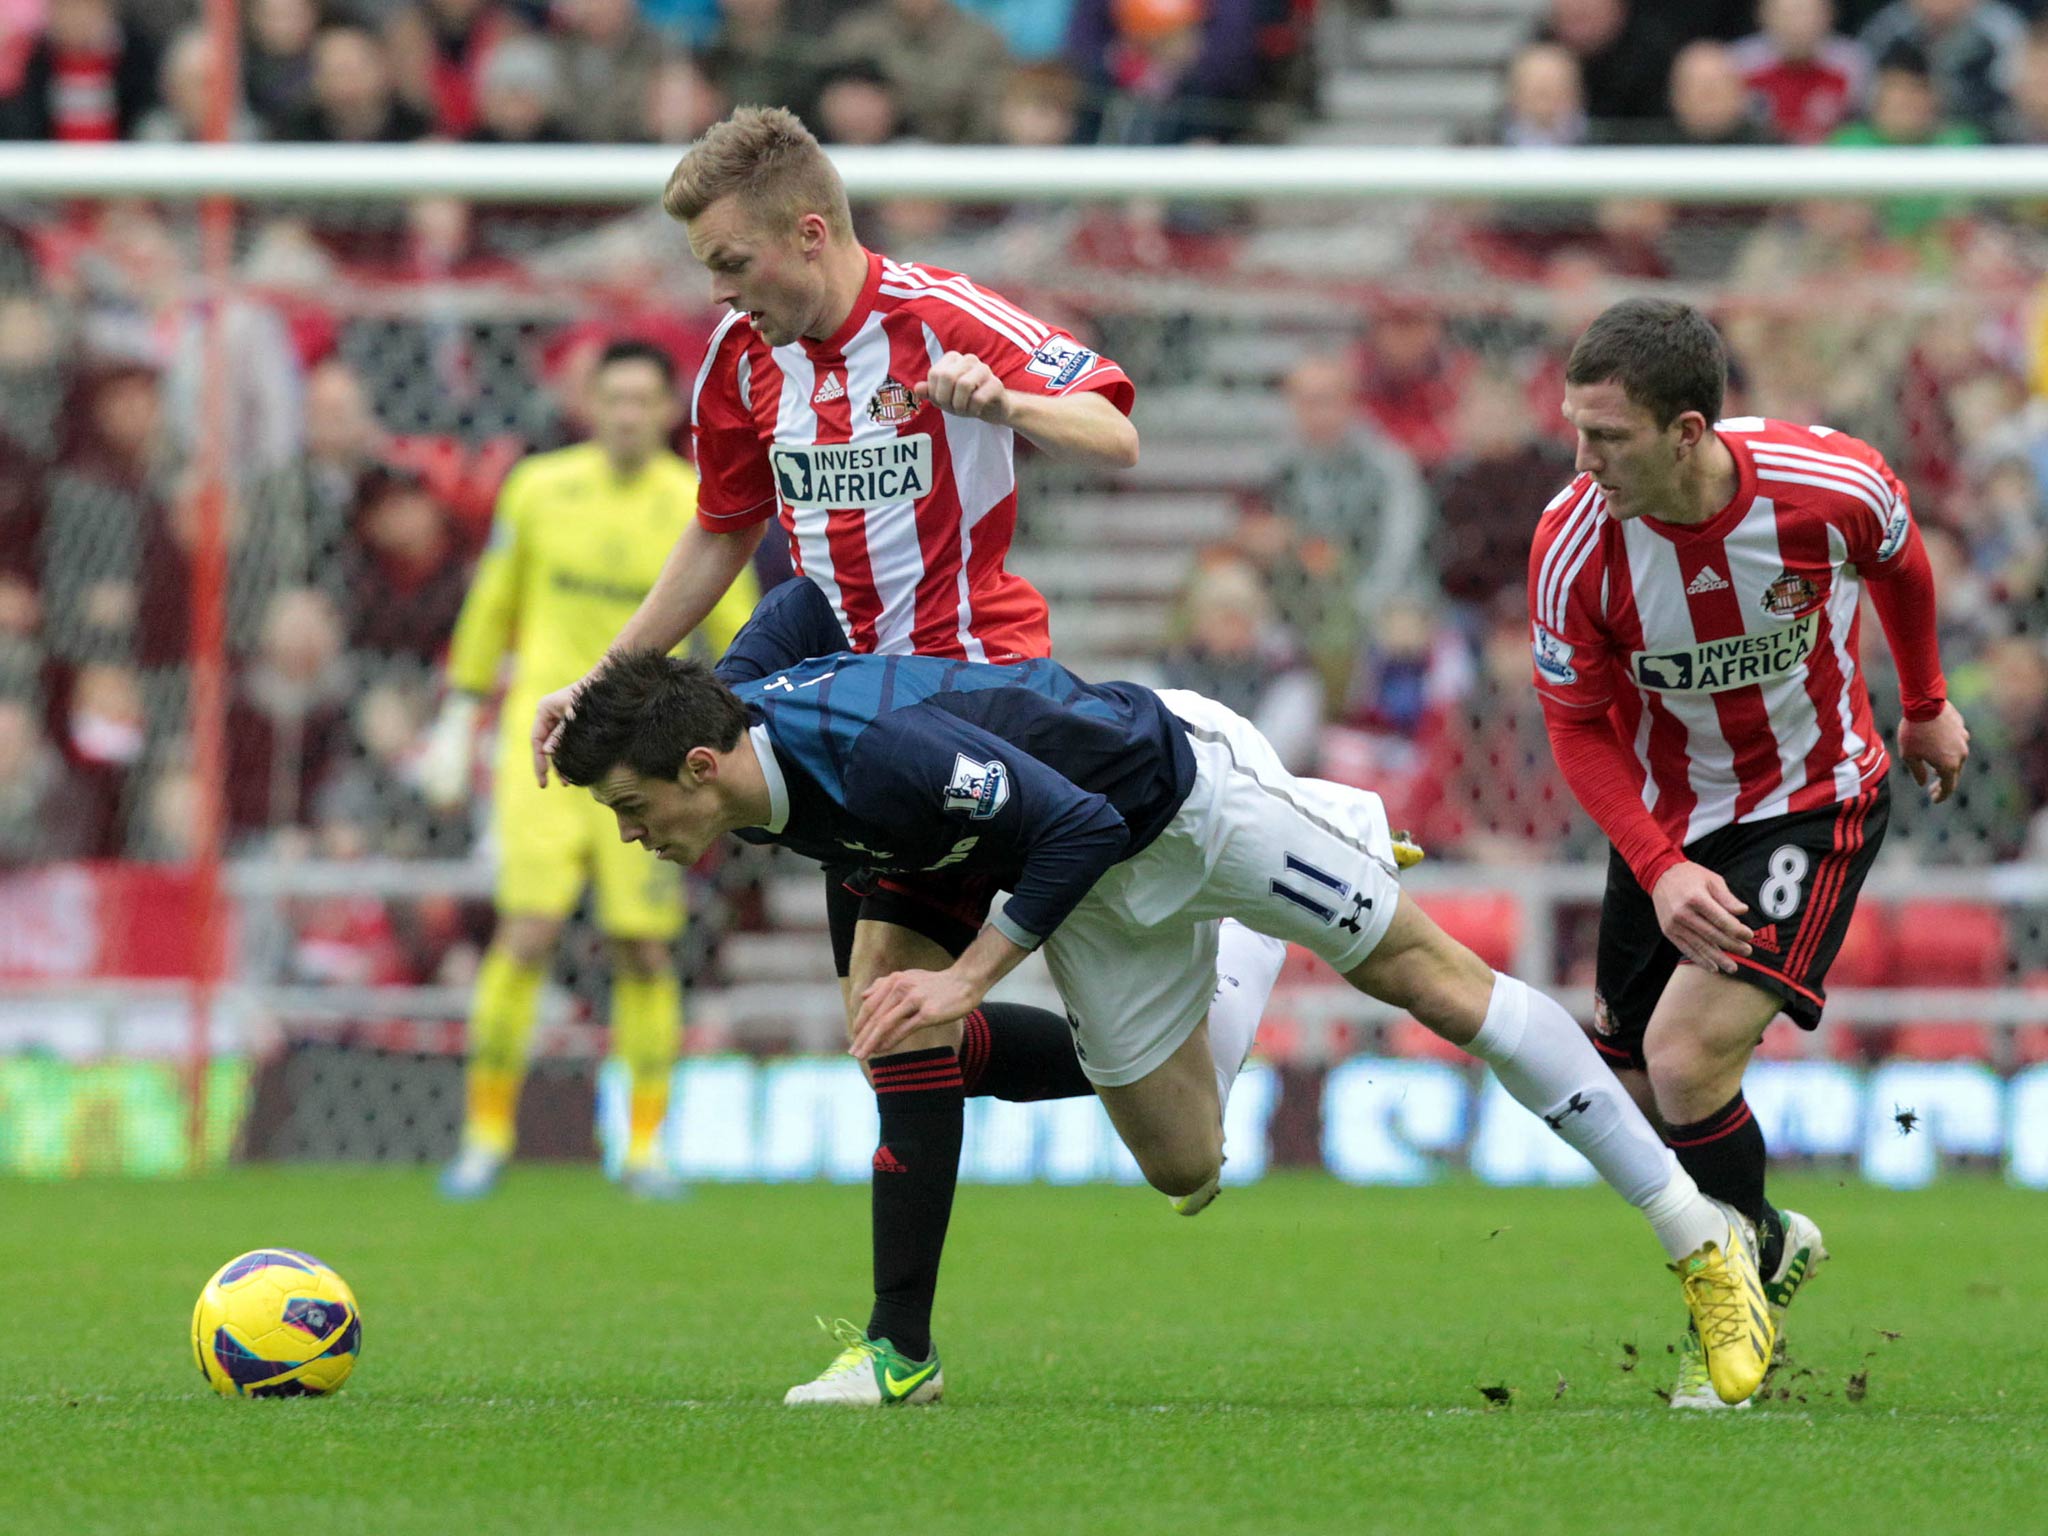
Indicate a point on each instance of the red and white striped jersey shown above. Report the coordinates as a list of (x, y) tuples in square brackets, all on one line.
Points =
[(901, 513), (1725, 652)]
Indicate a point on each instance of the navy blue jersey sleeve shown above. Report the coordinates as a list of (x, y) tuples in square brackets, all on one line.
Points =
[(921, 762), (792, 623)]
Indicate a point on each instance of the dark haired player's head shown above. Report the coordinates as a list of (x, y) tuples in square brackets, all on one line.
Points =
[(1643, 388), (1666, 356), (655, 739), (633, 404)]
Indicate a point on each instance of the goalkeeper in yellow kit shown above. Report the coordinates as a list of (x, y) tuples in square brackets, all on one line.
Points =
[(579, 536)]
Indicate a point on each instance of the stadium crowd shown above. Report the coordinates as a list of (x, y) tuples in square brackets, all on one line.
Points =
[(1367, 608), (620, 71)]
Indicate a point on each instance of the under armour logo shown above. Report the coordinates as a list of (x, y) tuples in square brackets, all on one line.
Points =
[(1359, 904), (1577, 1105)]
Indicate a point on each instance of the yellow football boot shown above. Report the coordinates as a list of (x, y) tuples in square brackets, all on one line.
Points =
[(1725, 1295)]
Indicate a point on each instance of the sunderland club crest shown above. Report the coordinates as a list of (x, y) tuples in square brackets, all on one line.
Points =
[(893, 403), (1790, 595)]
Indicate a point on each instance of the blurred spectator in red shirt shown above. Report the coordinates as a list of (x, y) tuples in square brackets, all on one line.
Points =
[(1489, 492), (404, 573), (277, 59), (1808, 76), (352, 99), (1410, 377), (609, 54), (186, 83), (287, 728), (87, 80), (438, 52)]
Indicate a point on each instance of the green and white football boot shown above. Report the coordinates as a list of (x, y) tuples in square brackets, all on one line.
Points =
[(1804, 1254), (869, 1373)]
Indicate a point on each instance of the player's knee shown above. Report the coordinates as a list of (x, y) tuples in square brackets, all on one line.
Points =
[(1185, 1166), (1687, 1082)]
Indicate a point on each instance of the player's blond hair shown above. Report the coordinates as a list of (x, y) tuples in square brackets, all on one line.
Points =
[(767, 158)]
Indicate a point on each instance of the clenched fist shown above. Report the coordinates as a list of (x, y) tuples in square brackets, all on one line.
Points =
[(961, 384)]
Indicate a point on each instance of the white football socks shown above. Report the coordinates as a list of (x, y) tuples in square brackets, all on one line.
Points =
[(1544, 1060), (1247, 965)]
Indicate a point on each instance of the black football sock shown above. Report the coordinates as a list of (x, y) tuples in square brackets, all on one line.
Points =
[(1015, 1052), (1724, 1153), (916, 1166)]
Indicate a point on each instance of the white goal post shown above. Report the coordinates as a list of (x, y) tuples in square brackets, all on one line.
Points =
[(631, 174)]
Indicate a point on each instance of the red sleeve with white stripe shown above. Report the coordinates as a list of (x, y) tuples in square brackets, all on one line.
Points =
[(1885, 546), (1575, 678), (1607, 780), (1019, 348), (736, 488), (1573, 656)]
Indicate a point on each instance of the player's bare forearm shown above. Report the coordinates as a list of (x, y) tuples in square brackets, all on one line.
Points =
[(991, 957), (1085, 429), (699, 569), (900, 1004)]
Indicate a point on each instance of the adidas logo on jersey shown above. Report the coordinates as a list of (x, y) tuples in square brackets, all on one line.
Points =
[(830, 390), (1708, 580)]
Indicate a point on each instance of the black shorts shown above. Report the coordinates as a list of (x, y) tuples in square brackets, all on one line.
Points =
[(1799, 874), (949, 909)]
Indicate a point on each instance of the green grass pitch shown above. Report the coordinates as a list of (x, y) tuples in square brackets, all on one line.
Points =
[(1303, 1357)]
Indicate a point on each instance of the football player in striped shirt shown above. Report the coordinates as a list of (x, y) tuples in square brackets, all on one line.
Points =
[(1694, 602), (872, 407)]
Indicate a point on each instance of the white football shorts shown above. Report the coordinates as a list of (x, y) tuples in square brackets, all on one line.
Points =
[(1302, 860)]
